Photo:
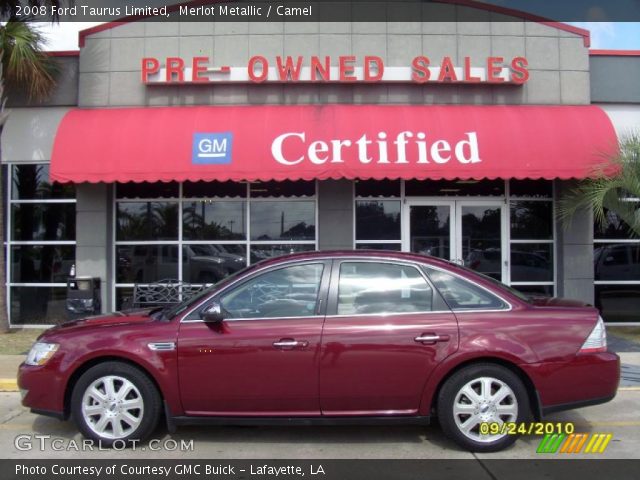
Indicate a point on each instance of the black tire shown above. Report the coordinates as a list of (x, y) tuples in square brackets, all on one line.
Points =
[(451, 390), (148, 415)]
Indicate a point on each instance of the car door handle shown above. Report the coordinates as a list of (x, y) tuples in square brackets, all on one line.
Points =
[(290, 343), (432, 338)]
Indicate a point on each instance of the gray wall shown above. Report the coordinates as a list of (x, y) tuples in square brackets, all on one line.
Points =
[(110, 61), (29, 133), (93, 236), (335, 215), (615, 79), (574, 244)]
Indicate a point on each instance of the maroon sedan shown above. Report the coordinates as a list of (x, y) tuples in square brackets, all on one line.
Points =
[(328, 338)]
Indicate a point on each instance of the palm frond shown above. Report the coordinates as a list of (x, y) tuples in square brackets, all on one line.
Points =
[(25, 64), (605, 193)]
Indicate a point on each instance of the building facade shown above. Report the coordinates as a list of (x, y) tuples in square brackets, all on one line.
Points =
[(356, 149)]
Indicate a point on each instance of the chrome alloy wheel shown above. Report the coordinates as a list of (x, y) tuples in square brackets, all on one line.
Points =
[(484, 400), (112, 407)]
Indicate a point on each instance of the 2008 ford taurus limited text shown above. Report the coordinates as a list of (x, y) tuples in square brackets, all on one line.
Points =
[(328, 338)]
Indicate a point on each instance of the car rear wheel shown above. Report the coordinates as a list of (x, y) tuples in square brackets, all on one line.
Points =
[(475, 402), (115, 402)]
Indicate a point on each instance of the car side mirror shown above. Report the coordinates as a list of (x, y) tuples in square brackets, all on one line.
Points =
[(213, 313)]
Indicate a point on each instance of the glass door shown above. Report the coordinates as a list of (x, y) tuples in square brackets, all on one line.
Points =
[(481, 246), (429, 230), (469, 232)]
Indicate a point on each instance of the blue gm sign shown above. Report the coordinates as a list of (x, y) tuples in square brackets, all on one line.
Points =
[(212, 148)]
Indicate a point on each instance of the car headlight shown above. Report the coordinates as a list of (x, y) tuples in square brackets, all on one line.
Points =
[(41, 352)]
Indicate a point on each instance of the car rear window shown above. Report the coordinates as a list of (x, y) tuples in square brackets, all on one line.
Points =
[(461, 294)]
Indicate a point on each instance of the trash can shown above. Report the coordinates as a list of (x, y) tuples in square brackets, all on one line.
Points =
[(83, 297)]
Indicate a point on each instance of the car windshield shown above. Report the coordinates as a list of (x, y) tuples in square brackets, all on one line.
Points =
[(174, 310), (497, 283)]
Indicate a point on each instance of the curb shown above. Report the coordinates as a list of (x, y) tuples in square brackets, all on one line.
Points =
[(8, 385)]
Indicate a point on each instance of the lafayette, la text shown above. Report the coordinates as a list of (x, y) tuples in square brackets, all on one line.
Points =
[(166, 470)]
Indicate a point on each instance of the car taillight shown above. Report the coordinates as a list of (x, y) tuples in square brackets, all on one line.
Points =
[(597, 339)]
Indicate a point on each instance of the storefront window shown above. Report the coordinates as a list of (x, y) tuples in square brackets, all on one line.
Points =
[(378, 188), (43, 221), (41, 263), (442, 225), (214, 220), (147, 190), (41, 244), (531, 220), (531, 254), (210, 263), (31, 182), (535, 290), (200, 232), (37, 305), (147, 221), (287, 188), (283, 221), (530, 188), (532, 262), (214, 189), (378, 224), (454, 188), (616, 269)]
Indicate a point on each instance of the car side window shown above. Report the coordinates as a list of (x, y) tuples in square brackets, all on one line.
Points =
[(463, 295), (375, 288), (285, 292)]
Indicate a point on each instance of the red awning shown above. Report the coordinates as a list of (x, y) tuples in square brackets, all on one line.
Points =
[(331, 141)]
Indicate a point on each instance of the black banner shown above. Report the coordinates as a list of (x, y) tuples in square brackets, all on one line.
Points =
[(325, 10), (479, 469)]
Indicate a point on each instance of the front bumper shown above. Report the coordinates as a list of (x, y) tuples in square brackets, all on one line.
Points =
[(42, 389)]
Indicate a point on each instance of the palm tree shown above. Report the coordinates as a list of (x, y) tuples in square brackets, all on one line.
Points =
[(611, 193), (23, 64)]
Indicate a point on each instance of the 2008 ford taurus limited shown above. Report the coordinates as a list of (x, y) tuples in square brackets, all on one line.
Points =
[(328, 338)]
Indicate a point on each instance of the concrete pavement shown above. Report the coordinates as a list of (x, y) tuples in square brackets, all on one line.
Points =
[(60, 439), (8, 370)]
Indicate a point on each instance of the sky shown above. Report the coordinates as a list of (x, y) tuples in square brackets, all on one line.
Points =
[(604, 35)]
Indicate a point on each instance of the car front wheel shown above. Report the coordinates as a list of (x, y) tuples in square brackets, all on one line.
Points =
[(115, 401), (476, 402)]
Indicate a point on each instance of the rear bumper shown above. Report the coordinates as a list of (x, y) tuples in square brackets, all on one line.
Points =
[(588, 379), (574, 405)]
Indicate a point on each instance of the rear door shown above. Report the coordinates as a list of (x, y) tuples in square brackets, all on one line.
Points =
[(386, 329)]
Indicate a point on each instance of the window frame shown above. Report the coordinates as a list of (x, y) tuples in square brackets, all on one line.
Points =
[(604, 241), (180, 242), (439, 306), (9, 241), (508, 306), (193, 314), (506, 197)]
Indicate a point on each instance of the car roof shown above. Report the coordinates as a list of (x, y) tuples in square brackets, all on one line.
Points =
[(373, 254)]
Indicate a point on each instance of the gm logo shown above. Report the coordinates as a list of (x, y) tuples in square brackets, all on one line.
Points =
[(212, 148)]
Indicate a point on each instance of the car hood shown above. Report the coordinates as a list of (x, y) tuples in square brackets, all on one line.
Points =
[(115, 318), (557, 302)]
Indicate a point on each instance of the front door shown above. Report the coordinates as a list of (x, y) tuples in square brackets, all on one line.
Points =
[(469, 232), (263, 358)]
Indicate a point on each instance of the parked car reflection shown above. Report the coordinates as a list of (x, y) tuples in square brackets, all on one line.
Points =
[(201, 263), (618, 262)]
